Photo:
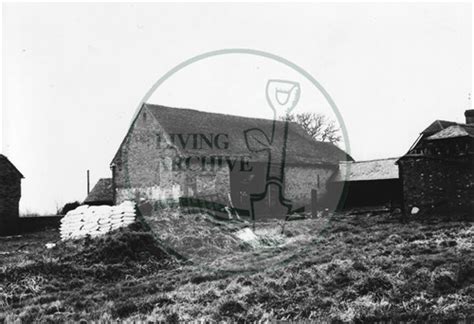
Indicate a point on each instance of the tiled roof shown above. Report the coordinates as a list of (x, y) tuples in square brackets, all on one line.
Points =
[(102, 192), (437, 126), (300, 147), (382, 169), (454, 131)]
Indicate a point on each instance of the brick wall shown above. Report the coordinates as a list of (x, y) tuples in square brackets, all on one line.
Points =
[(437, 184)]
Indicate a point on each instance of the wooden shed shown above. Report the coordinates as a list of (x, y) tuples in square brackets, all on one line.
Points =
[(368, 183)]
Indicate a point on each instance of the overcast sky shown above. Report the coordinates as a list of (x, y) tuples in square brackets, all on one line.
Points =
[(73, 75)]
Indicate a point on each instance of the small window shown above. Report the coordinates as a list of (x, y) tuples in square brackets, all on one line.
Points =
[(318, 181), (144, 116)]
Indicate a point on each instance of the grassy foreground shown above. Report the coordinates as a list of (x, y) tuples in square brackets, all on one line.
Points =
[(344, 268)]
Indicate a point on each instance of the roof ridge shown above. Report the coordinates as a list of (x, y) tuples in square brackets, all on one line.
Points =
[(446, 121), (438, 125), (294, 124), (212, 113), (454, 123), (372, 160)]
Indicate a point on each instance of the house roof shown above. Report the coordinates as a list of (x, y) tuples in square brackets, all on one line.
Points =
[(102, 192), (5, 160), (458, 130), (441, 129), (383, 169), (437, 126), (300, 147)]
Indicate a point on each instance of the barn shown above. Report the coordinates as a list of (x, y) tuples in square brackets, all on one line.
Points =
[(437, 173), (372, 183), (172, 155), (10, 193)]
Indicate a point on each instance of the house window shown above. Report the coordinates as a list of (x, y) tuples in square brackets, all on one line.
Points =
[(318, 181), (144, 116)]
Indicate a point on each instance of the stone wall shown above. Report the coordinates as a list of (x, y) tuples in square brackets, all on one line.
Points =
[(438, 184), (300, 180), (146, 171), (149, 170)]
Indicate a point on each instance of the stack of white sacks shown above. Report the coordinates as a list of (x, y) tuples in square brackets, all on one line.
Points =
[(96, 220)]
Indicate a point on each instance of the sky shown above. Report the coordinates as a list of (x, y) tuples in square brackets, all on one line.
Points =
[(74, 75)]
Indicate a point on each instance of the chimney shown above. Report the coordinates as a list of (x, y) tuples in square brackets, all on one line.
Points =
[(469, 114)]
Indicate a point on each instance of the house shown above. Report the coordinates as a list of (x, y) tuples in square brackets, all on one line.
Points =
[(437, 173), (101, 194), (10, 193), (186, 156), (368, 183)]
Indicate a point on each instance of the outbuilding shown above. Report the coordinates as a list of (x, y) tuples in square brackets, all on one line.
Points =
[(372, 183), (10, 193), (437, 173)]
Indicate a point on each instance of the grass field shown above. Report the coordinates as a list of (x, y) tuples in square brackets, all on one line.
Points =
[(344, 268)]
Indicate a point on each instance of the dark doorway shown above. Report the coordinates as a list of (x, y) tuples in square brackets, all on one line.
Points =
[(245, 183), (371, 193)]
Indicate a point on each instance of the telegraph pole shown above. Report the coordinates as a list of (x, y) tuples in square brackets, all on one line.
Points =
[(88, 182)]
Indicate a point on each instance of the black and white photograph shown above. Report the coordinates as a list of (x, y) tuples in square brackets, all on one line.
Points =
[(236, 162)]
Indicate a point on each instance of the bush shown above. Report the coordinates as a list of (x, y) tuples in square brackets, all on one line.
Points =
[(68, 207)]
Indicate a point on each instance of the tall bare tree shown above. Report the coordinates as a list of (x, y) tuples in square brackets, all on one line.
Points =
[(317, 125)]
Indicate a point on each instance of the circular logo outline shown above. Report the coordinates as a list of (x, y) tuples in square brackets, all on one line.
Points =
[(245, 51)]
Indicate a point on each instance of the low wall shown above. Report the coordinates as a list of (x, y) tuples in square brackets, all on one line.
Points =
[(35, 224)]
